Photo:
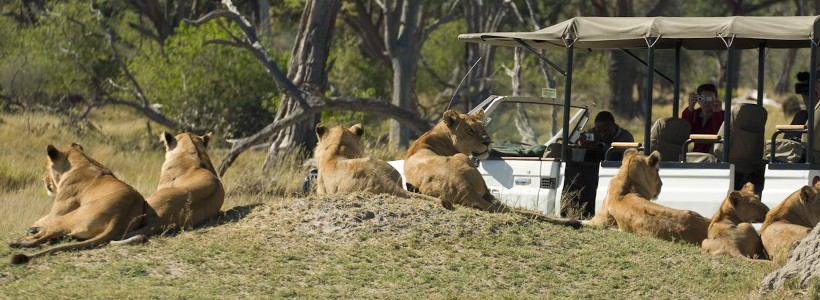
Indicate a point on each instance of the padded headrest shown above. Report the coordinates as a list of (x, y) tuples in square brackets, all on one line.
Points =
[(747, 141), (668, 136)]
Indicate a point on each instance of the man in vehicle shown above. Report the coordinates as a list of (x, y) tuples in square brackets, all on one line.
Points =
[(708, 118), (598, 139)]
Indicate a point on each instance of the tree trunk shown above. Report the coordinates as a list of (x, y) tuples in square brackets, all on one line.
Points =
[(307, 71), (404, 73), (783, 85)]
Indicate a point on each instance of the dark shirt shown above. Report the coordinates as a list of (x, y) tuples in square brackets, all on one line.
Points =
[(711, 126)]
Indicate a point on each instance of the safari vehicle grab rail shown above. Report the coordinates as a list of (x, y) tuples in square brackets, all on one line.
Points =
[(798, 129), (698, 138), (621, 146)]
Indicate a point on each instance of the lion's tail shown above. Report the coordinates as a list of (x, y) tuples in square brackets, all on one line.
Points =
[(150, 226), (107, 235)]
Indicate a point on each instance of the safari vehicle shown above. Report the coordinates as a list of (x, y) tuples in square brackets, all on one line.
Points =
[(541, 182), (522, 168)]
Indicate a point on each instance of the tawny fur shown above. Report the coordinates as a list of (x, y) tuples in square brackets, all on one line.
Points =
[(342, 169), (791, 221), (633, 212), (730, 231), (438, 164), (90, 204), (189, 191)]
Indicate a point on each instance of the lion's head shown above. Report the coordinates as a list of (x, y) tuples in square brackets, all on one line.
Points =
[(339, 141), (187, 148), (468, 133), (745, 204), (809, 200), (641, 173), (63, 160)]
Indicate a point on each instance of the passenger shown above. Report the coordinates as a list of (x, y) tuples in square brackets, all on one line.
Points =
[(708, 118), (802, 116), (598, 138)]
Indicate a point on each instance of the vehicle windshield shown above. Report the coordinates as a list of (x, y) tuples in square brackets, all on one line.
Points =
[(524, 125)]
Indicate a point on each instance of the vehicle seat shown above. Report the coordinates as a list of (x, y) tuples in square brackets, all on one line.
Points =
[(667, 137), (746, 145)]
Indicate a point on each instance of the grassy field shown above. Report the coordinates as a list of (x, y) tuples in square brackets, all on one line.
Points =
[(271, 242)]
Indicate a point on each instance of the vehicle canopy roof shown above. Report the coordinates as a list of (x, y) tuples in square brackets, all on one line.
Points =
[(695, 33)]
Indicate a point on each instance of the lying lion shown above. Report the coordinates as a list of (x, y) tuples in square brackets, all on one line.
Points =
[(343, 169), (791, 221), (437, 164), (189, 190), (90, 204), (730, 232), (633, 212)]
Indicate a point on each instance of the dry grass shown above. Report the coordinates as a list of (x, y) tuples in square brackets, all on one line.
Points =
[(271, 243)]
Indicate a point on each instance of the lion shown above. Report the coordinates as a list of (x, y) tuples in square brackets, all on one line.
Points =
[(90, 204), (343, 169), (790, 221), (189, 190), (438, 164), (730, 231), (633, 212)]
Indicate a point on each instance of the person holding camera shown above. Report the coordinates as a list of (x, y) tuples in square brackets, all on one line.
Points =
[(708, 118), (598, 138), (802, 88)]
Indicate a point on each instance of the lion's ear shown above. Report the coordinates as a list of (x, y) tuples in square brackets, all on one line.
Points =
[(629, 153), (654, 158), (480, 114), (78, 146), (206, 138), (748, 187), (733, 197), (169, 140), (53, 153), (357, 129), (451, 118), (807, 194), (321, 130)]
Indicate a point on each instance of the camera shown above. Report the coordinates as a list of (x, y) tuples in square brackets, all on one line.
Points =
[(589, 136), (702, 98), (802, 87)]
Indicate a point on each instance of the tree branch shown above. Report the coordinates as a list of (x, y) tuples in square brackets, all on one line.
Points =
[(334, 103), (138, 89), (446, 19), (284, 85)]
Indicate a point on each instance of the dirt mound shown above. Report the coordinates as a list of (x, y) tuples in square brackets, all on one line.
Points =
[(803, 264), (338, 218)]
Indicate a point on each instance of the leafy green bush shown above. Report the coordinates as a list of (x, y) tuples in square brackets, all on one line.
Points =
[(208, 87)]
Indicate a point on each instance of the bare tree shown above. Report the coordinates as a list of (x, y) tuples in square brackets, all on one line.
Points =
[(298, 104), (480, 16), (398, 29)]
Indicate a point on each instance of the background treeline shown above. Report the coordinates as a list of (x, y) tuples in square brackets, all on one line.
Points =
[(76, 55)]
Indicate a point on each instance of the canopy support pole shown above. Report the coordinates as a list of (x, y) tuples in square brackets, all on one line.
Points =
[(644, 63), (541, 56), (650, 66), (567, 94), (727, 110), (761, 61), (812, 103), (676, 94)]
